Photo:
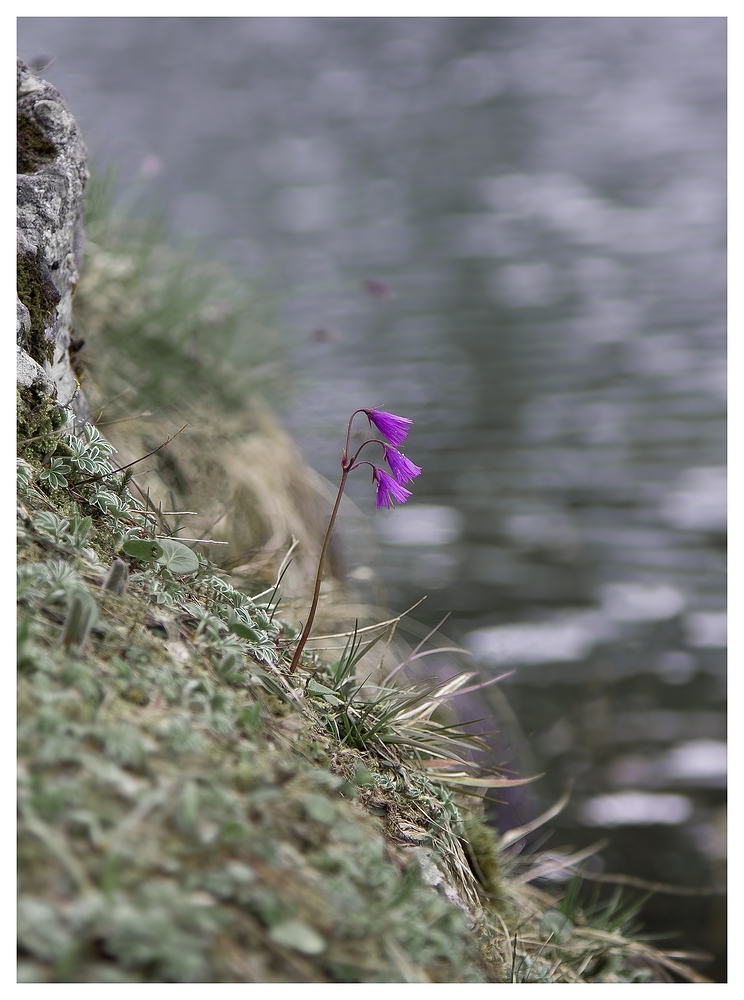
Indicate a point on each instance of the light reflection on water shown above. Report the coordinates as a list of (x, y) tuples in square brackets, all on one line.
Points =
[(542, 201)]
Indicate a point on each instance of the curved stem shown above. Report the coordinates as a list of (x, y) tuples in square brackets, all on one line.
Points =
[(351, 462), (319, 578), (348, 437)]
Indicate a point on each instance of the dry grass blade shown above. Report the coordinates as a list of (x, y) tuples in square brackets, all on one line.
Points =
[(641, 949), (401, 666), (641, 883), (561, 863), (368, 628), (518, 832)]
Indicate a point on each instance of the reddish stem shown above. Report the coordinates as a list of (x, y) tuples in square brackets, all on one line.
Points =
[(347, 464), (318, 579)]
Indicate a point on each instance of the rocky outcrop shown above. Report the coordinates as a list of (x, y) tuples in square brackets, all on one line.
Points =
[(52, 173)]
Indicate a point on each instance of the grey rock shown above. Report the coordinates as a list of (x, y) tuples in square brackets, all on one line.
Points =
[(30, 373), (52, 173)]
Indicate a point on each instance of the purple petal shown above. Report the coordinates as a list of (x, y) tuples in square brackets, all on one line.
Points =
[(388, 490), (402, 468), (391, 426)]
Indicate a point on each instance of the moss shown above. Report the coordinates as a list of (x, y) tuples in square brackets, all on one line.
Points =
[(39, 294), (34, 146), (481, 839), (37, 419)]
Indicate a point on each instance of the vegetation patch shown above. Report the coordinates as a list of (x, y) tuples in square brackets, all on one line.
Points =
[(192, 812), (39, 294), (34, 146), (38, 419)]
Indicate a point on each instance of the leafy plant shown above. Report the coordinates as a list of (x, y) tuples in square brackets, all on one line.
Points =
[(57, 473), (177, 558), (24, 475)]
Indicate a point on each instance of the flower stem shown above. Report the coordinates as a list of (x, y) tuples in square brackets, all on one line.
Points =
[(318, 579)]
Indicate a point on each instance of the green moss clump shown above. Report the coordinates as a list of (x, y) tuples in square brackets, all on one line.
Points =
[(34, 146), (481, 839), (39, 294), (37, 419)]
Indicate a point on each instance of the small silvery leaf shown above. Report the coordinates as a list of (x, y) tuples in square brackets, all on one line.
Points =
[(24, 474), (246, 632), (295, 934), (56, 474)]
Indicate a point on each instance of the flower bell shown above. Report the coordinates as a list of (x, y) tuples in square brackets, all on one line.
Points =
[(388, 490), (391, 426), (403, 469)]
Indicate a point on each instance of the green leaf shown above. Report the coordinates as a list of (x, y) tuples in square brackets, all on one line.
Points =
[(177, 557), (143, 548), (294, 934), (319, 808), (245, 631), (321, 691), (229, 668)]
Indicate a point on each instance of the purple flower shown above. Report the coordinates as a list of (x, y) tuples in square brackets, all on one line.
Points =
[(394, 428), (402, 468), (388, 490)]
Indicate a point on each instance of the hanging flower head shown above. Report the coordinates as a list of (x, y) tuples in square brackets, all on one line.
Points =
[(388, 490), (394, 428), (403, 469)]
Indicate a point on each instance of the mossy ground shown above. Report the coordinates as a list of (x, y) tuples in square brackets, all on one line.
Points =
[(176, 827), (186, 817)]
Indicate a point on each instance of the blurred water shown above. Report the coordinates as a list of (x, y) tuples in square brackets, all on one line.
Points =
[(513, 231)]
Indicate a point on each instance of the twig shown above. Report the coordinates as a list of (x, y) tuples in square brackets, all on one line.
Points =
[(113, 399), (200, 541), (440, 649), (114, 472), (560, 864), (49, 434)]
